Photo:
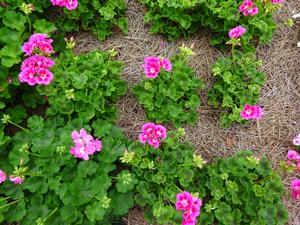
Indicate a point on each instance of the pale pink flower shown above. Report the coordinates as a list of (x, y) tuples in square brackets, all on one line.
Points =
[(2, 176), (16, 179), (295, 187), (84, 144), (237, 32), (166, 64), (277, 1), (251, 112), (248, 8), (296, 140)]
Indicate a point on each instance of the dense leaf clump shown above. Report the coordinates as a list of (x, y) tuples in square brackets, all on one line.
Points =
[(172, 96), (85, 86)]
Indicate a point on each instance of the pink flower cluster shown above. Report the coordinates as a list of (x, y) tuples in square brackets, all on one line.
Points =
[(296, 140), (277, 1), (153, 65), (35, 69), (294, 159), (40, 42), (295, 187), (84, 144), (69, 4), (237, 32), (153, 134), (248, 8), (191, 207), (12, 178), (252, 112)]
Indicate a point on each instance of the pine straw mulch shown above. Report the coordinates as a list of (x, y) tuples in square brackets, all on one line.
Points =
[(280, 96)]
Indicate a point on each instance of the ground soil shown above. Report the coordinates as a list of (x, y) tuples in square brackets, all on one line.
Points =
[(280, 96)]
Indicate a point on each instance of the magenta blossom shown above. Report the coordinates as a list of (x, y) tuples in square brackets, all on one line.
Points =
[(293, 155), (16, 179), (153, 65), (295, 187), (40, 42), (191, 207), (69, 4), (248, 8), (296, 140), (35, 70), (237, 32), (2, 176), (84, 144), (277, 1), (251, 112), (153, 134)]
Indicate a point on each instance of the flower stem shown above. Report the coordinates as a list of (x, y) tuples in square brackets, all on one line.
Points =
[(17, 125), (47, 217), (11, 203)]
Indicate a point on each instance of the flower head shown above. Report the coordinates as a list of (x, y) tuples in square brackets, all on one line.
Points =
[(153, 65), (153, 134), (69, 4), (190, 205), (251, 112), (295, 187), (84, 144), (38, 42), (277, 1), (16, 179), (296, 140), (2, 176), (248, 8), (237, 32)]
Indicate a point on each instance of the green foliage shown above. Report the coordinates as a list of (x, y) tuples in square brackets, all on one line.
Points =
[(58, 188), (85, 86), (241, 190), (181, 18), (238, 82), (172, 96), (162, 173)]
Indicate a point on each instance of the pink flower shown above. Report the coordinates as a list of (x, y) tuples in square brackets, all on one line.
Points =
[(296, 140), (251, 112), (277, 1), (16, 179), (295, 187), (152, 134), (166, 64), (35, 70), (191, 207), (2, 176), (237, 32), (293, 155), (151, 66), (248, 8), (69, 4), (84, 144), (38, 41), (184, 201)]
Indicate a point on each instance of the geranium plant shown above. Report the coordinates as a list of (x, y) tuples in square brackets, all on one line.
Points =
[(241, 189), (43, 183), (238, 82), (85, 86), (169, 93)]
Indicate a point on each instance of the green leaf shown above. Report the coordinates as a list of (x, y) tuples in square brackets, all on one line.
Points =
[(14, 20), (95, 211), (121, 203), (43, 26)]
